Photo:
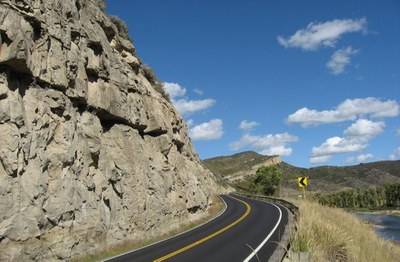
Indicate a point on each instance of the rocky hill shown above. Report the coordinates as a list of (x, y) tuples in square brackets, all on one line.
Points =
[(239, 166), (90, 153), (242, 166)]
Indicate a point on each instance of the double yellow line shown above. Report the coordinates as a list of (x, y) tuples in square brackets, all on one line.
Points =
[(248, 209)]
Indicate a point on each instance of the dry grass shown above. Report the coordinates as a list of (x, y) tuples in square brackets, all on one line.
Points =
[(331, 234), (214, 210)]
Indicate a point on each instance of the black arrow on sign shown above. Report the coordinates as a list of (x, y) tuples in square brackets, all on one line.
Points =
[(303, 182)]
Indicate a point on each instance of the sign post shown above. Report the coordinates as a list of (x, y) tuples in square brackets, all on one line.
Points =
[(303, 183)]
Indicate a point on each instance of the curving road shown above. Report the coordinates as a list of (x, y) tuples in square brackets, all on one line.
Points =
[(247, 226)]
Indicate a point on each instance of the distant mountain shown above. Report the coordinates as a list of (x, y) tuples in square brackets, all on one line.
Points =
[(323, 178), (329, 178)]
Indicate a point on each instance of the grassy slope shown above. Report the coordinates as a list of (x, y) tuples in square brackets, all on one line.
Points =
[(331, 234)]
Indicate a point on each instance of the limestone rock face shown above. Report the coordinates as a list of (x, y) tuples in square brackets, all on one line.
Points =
[(90, 153), (241, 175)]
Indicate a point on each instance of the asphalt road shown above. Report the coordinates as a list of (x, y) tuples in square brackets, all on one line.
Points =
[(246, 225)]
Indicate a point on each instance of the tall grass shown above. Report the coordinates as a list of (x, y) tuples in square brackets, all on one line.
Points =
[(331, 234)]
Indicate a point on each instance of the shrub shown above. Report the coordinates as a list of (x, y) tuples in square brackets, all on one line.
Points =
[(121, 26), (102, 4), (157, 84), (268, 180), (149, 74)]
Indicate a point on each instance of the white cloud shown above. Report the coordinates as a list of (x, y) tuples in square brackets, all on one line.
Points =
[(268, 144), (359, 159), (207, 131), (340, 59), (182, 104), (339, 145), (246, 125), (198, 91), (323, 34), (395, 155), (365, 128), (185, 106), (356, 139), (190, 122), (350, 109), (174, 90), (398, 132), (277, 150), (320, 159)]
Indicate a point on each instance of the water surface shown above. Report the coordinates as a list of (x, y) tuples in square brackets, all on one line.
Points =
[(386, 226)]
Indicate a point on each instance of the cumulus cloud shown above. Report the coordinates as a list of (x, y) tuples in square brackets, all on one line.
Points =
[(174, 90), (316, 35), (320, 159), (246, 125), (356, 139), (350, 109), (338, 145), (395, 155), (184, 105), (271, 144), (365, 128), (340, 59), (359, 159), (207, 131)]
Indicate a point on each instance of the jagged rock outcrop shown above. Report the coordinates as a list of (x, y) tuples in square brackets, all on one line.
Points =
[(240, 175), (90, 153), (239, 166)]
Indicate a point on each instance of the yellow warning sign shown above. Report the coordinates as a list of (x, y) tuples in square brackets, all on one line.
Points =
[(303, 181)]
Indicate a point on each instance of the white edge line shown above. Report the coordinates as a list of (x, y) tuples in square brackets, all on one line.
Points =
[(266, 239), (152, 244)]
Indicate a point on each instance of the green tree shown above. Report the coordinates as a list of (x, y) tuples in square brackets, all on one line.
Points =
[(268, 180)]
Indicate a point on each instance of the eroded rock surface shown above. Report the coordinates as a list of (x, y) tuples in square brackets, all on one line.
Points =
[(90, 153)]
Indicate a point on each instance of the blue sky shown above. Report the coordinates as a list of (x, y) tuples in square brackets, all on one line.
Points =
[(317, 82)]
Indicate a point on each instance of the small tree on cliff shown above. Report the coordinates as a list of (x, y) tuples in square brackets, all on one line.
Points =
[(268, 180)]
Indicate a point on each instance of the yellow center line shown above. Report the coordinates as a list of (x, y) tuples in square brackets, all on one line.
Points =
[(248, 209)]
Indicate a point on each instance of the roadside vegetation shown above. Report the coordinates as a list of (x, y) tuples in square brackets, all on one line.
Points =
[(267, 181), (213, 211), (332, 234), (381, 197), (324, 229)]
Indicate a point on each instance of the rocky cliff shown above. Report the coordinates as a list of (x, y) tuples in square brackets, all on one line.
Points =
[(239, 166), (90, 153)]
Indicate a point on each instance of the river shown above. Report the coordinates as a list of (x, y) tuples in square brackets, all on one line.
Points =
[(386, 226)]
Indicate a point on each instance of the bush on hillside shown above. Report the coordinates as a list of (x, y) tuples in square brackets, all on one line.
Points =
[(157, 84), (121, 26), (268, 180)]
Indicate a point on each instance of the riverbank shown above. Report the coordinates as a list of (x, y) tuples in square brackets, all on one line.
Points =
[(385, 224), (389, 212), (332, 234)]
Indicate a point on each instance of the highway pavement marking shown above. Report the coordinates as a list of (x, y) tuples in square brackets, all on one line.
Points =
[(266, 239), (248, 209)]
